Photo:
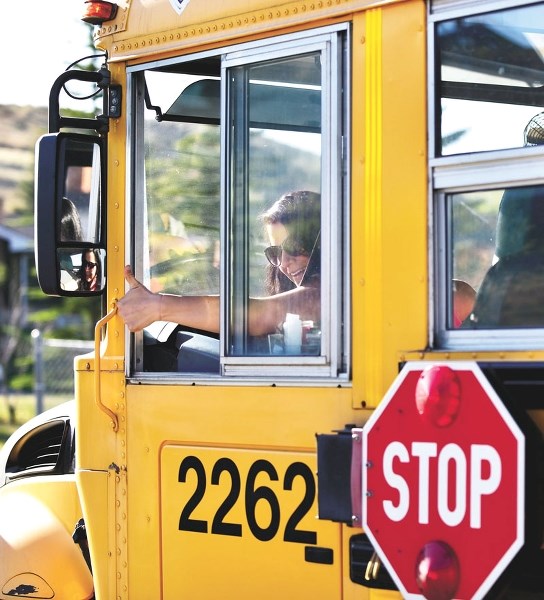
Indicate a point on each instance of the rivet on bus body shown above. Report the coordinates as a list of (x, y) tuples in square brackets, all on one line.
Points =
[(118, 575), (118, 551), (88, 366), (116, 248), (118, 527), (148, 518), (363, 40)]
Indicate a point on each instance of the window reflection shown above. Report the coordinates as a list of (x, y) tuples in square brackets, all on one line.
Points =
[(491, 74)]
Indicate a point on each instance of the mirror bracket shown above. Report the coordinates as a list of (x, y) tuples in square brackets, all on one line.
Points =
[(112, 95)]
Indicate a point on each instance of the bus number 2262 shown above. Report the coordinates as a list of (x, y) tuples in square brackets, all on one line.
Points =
[(253, 494)]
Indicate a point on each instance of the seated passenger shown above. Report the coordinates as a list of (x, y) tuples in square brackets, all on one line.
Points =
[(292, 278), (512, 290)]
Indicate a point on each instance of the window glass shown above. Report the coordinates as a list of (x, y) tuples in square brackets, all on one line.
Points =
[(490, 80), (182, 188), (275, 229), (496, 265), (237, 191)]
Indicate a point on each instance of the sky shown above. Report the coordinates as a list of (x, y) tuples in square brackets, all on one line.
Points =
[(39, 40)]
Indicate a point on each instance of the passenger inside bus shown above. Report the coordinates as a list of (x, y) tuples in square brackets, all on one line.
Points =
[(293, 226), (512, 290)]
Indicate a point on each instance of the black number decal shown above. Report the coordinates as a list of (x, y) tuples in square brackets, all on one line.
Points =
[(254, 495), (218, 525), (185, 522), (292, 534)]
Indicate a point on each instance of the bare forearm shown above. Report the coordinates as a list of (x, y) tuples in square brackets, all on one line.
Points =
[(199, 312)]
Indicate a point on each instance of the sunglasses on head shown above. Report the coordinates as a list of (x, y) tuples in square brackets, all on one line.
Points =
[(290, 246)]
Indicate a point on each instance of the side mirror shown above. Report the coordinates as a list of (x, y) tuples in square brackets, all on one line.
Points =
[(69, 214)]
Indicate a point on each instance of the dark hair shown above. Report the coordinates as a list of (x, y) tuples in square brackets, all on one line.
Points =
[(300, 213), (70, 223), (83, 285)]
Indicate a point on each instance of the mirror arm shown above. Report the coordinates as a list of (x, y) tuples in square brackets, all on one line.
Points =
[(111, 103)]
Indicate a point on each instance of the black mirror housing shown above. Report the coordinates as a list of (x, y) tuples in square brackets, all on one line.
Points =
[(70, 213)]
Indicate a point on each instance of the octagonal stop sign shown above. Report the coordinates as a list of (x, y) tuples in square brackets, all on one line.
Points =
[(443, 482)]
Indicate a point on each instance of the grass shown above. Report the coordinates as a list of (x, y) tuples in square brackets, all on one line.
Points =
[(23, 409)]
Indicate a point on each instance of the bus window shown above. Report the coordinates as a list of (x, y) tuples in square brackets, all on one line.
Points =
[(278, 207), (238, 196), (497, 251), (490, 75)]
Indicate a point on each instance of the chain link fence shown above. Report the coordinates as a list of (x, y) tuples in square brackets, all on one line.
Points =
[(54, 366)]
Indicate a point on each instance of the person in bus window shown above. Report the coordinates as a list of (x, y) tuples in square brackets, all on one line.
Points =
[(292, 277), (90, 272)]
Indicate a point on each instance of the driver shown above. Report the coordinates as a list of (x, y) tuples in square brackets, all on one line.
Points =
[(294, 256)]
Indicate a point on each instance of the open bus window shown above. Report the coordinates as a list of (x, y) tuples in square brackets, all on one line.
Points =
[(497, 250), (225, 138), (490, 79)]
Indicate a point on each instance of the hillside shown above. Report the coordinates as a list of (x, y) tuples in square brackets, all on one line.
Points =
[(20, 127)]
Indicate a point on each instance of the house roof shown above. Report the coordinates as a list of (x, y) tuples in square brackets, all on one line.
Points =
[(18, 242)]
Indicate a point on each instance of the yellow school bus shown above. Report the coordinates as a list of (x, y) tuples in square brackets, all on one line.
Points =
[(203, 462)]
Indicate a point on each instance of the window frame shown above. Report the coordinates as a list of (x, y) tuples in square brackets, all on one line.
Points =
[(334, 363), (459, 173)]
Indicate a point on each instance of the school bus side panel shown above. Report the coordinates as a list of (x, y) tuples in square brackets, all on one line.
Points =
[(270, 434)]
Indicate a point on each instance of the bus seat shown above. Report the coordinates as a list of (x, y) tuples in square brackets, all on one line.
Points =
[(512, 292)]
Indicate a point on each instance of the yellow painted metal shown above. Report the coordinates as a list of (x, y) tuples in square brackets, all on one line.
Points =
[(389, 194), (36, 546), (146, 27), (244, 425), (200, 565)]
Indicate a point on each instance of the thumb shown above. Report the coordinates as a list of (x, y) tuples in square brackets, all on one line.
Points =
[(130, 279)]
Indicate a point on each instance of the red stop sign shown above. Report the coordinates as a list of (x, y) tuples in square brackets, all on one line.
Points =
[(443, 482)]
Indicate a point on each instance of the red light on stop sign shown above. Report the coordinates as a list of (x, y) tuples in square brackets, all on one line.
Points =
[(437, 571), (438, 395)]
